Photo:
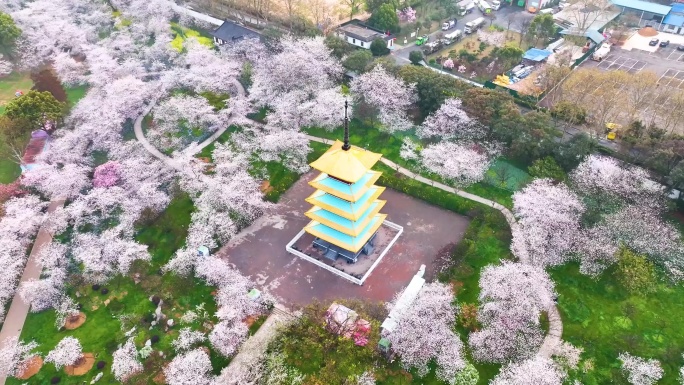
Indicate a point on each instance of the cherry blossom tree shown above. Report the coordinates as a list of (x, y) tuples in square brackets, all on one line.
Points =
[(366, 378), (549, 220), (54, 181), (448, 63), (6, 67), (187, 338), (227, 336), (640, 371), (534, 371), (193, 367), (424, 333), (495, 38), (106, 254), (409, 149), (512, 297), (107, 174), (15, 356), (407, 14), (71, 72), (67, 352), (44, 293), (389, 96), (125, 361), (464, 164), (607, 178), (66, 309), (205, 70), (450, 122)]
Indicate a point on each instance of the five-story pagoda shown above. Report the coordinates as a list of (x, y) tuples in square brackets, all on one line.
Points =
[(345, 216)]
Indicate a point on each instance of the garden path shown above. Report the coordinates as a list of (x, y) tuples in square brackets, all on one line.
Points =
[(250, 353), (16, 316)]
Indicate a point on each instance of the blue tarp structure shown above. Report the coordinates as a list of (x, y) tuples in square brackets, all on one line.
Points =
[(676, 16), (536, 54)]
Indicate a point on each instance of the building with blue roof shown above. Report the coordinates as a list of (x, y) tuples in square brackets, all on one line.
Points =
[(536, 55), (674, 21)]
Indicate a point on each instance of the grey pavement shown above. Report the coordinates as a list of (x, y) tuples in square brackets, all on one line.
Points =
[(18, 311)]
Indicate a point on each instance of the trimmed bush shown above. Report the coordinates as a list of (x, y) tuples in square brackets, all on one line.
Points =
[(96, 287), (156, 300), (101, 364), (154, 339), (104, 291), (55, 380)]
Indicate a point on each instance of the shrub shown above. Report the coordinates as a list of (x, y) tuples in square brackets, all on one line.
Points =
[(468, 316), (104, 291), (634, 272), (154, 339), (379, 47), (467, 376), (101, 364), (415, 57), (96, 287), (55, 380), (156, 300)]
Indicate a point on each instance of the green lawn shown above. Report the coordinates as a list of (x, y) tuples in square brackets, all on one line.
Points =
[(103, 332), (182, 33), (11, 83), (603, 319), (9, 171)]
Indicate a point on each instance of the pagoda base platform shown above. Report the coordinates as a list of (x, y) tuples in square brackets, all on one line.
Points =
[(302, 245)]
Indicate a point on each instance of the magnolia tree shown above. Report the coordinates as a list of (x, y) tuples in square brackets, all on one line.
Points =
[(607, 178), (450, 122), (390, 97), (193, 367), (512, 297), (640, 371), (425, 333), (534, 371), (464, 164), (125, 361), (15, 356), (187, 338), (548, 222), (67, 352)]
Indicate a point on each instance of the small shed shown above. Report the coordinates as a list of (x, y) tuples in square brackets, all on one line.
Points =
[(536, 55)]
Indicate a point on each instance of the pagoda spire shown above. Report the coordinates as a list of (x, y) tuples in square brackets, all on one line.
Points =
[(346, 145)]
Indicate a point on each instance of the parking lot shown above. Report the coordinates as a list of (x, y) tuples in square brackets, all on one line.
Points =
[(672, 78), (621, 63)]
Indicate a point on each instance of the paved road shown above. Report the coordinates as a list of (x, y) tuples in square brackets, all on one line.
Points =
[(18, 311)]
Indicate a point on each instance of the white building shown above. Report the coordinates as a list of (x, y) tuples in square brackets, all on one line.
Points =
[(362, 35)]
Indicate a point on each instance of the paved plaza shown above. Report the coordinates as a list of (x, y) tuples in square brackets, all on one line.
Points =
[(259, 251)]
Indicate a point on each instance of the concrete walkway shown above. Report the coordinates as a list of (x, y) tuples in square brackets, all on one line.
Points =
[(248, 358), (18, 311)]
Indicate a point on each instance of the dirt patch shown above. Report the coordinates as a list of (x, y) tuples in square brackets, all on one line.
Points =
[(159, 378), (32, 368), (82, 366), (75, 321), (46, 80), (648, 32), (266, 187)]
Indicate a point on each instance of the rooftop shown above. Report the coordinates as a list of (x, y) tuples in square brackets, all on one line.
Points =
[(676, 15), (349, 166), (576, 17), (642, 5), (356, 29), (536, 54), (230, 31)]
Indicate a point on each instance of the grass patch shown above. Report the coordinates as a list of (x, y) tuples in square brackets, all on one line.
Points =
[(605, 320), (11, 83), (167, 233), (75, 94), (181, 34), (9, 171)]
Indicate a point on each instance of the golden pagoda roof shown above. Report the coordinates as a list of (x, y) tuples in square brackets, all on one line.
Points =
[(349, 166)]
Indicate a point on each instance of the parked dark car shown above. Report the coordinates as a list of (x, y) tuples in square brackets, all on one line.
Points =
[(653, 42), (680, 48), (664, 43)]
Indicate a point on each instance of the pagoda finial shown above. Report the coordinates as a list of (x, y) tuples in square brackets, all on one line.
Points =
[(346, 145)]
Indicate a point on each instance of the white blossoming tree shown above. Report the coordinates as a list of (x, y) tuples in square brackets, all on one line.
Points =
[(193, 367), (640, 371), (187, 338), (15, 356), (512, 297), (450, 122), (125, 361), (67, 352), (424, 333), (464, 164), (534, 371), (226, 336)]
